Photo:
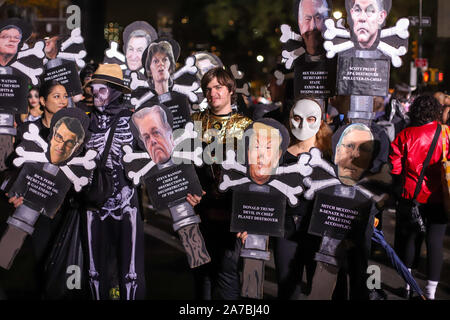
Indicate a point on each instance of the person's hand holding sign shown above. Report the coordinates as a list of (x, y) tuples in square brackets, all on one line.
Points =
[(242, 236), (16, 201), (194, 199)]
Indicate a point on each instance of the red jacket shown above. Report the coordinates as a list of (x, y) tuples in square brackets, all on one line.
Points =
[(409, 150)]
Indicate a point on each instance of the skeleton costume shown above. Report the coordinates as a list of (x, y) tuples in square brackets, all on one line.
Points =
[(115, 232), (220, 278)]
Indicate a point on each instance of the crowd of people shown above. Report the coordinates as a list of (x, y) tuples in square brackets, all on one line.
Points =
[(107, 239)]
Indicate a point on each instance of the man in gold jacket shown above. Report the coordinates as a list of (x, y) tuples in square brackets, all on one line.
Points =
[(221, 129)]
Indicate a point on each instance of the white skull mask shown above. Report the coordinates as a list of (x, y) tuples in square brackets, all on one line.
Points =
[(101, 95), (303, 110)]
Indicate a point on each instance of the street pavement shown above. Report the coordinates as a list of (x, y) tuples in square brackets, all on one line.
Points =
[(167, 268)]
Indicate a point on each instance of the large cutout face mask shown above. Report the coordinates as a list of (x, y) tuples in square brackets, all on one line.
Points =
[(305, 119), (354, 153)]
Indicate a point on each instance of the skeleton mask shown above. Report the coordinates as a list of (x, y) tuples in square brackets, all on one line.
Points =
[(301, 127), (103, 95)]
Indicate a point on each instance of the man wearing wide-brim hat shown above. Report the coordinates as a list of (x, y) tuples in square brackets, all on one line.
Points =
[(115, 229), (13, 33), (107, 86)]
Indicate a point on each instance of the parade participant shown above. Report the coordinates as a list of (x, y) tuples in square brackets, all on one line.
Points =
[(220, 278), (87, 104), (53, 97), (159, 64), (34, 107), (409, 151), (443, 100), (115, 230), (295, 251), (396, 118)]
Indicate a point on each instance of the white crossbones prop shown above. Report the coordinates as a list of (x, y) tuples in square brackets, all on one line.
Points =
[(313, 186), (287, 34), (137, 83), (290, 56), (194, 156), (301, 166), (238, 75), (316, 160), (235, 72), (189, 67), (189, 91), (139, 102), (37, 51), (33, 74), (88, 161), (119, 57), (75, 38), (112, 52), (33, 135), (332, 49), (393, 53), (332, 32), (130, 156), (22, 61), (400, 30), (231, 163), (77, 57), (66, 53), (244, 90)]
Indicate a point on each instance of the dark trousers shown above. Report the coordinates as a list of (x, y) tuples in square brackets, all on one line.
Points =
[(408, 240), (219, 279), (294, 255), (111, 262)]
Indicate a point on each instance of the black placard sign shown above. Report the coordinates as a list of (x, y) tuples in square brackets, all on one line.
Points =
[(67, 75), (258, 213), (166, 186), (362, 76), (339, 217), (317, 79), (43, 186), (13, 93), (178, 104)]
